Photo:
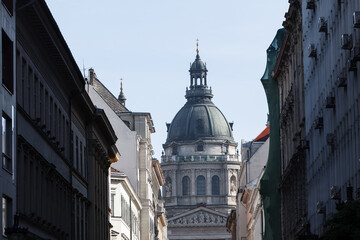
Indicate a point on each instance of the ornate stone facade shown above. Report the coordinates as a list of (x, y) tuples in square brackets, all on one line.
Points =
[(200, 165)]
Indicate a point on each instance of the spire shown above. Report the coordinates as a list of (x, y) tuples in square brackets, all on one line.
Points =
[(197, 46), (121, 97), (198, 78)]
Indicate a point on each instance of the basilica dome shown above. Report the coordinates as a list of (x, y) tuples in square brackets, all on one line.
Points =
[(199, 118), (197, 121)]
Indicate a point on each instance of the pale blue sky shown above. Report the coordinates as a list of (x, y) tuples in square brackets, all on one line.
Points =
[(150, 44)]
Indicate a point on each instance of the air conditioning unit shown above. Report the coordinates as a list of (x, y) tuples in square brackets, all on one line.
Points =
[(330, 102), (351, 65), (355, 53), (305, 144), (320, 207), (330, 139), (335, 193), (341, 79), (346, 41), (356, 19), (319, 123), (312, 50), (322, 25), (310, 4)]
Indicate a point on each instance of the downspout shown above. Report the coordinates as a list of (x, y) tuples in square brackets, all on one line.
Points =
[(130, 219), (262, 221)]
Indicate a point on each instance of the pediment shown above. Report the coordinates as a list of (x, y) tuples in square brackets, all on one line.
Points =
[(198, 217)]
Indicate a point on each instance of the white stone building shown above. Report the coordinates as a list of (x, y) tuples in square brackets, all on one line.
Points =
[(249, 210), (133, 130), (200, 165), (332, 93), (125, 208)]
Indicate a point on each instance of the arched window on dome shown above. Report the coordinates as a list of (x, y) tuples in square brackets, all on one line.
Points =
[(186, 186), (215, 185), (200, 185)]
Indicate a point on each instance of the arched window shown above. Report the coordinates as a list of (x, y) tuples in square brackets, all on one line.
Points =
[(200, 185), (215, 185), (168, 187), (233, 188), (186, 186)]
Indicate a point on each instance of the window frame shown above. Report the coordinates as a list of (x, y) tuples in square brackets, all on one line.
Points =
[(215, 189), (7, 146), (201, 185), (185, 182)]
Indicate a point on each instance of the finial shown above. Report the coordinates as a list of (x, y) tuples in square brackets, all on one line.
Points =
[(121, 97), (197, 46)]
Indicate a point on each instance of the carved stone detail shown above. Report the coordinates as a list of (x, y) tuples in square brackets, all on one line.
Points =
[(200, 218)]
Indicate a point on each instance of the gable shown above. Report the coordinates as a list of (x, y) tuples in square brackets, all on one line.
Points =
[(198, 217)]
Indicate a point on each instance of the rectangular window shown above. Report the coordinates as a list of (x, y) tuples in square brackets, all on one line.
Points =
[(6, 213), (35, 98), (29, 91), (7, 63), (41, 104), (112, 204), (81, 159), (23, 72), (51, 117), (8, 5), (77, 153), (7, 142)]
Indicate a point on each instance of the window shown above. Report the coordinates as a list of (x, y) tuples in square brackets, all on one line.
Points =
[(7, 63), (77, 153), (200, 185), (174, 151), (112, 204), (186, 186), (6, 213), (200, 148), (215, 186), (81, 159), (7, 142)]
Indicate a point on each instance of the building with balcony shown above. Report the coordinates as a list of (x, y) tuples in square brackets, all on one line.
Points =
[(289, 75), (62, 145), (200, 165), (331, 35), (8, 169)]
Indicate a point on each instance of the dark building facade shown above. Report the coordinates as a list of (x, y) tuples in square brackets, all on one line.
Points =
[(64, 143), (289, 75)]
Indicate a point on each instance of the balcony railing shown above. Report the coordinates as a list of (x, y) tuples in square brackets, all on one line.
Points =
[(200, 158)]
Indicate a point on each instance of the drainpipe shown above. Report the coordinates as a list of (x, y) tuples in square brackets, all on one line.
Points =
[(130, 219), (262, 222)]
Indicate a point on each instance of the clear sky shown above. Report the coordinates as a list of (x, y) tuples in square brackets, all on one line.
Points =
[(150, 44)]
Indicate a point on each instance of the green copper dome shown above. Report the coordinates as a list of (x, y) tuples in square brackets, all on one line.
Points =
[(199, 118), (197, 121)]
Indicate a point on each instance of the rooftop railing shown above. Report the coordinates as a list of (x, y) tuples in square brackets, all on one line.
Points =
[(200, 158)]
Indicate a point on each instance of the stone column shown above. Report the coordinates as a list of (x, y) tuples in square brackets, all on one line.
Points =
[(193, 182), (208, 187)]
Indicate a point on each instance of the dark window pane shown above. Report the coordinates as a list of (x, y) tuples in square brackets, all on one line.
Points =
[(200, 185), (186, 186), (7, 63), (215, 186)]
